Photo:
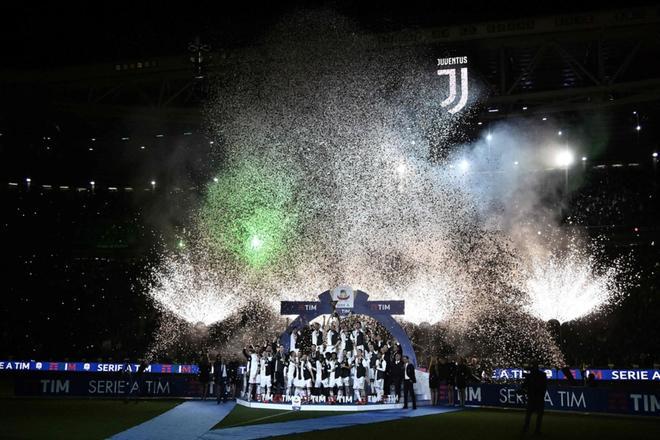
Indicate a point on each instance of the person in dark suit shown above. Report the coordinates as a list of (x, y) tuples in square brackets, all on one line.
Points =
[(463, 376), (235, 379), (279, 362), (204, 375), (451, 381), (408, 382), (396, 375), (535, 386), (221, 379)]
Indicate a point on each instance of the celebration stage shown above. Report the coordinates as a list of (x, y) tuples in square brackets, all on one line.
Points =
[(344, 301), (322, 406)]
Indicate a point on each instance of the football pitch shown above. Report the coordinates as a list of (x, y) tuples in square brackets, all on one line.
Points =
[(74, 419), (97, 419)]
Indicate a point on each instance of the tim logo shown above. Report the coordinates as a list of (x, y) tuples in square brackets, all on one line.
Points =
[(451, 73)]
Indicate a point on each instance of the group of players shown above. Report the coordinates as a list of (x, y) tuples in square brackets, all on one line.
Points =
[(340, 357)]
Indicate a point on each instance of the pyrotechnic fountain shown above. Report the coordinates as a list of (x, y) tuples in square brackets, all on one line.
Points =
[(336, 171)]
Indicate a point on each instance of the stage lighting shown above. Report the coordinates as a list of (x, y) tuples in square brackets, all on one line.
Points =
[(545, 119), (92, 183), (489, 137), (215, 179), (28, 180), (559, 133), (584, 158), (142, 147), (638, 128), (564, 158), (655, 154), (464, 165)]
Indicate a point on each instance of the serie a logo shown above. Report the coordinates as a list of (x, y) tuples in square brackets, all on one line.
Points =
[(451, 73)]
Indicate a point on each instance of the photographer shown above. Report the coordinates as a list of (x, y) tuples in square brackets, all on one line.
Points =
[(534, 386)]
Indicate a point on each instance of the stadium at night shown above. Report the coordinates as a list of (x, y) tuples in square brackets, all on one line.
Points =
[(322, 219)]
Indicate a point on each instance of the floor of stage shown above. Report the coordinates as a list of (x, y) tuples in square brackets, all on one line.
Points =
[(352, 407)]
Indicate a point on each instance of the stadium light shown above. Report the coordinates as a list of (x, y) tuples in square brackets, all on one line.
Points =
[(464, 165), (489, 137), (92, 183), (638, 128), (28, 180), (564, 158), (655, 154)]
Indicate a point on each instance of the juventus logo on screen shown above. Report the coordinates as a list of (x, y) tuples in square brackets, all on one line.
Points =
[(451, 73)]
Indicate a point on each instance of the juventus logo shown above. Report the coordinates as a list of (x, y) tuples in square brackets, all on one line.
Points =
[(451, 73)]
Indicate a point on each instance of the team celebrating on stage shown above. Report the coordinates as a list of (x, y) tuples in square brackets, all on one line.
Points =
[(336, 359)]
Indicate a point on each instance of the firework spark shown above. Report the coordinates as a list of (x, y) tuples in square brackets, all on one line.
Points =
[(569, 287)]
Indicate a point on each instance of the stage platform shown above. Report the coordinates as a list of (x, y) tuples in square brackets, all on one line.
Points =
[(321, 406)]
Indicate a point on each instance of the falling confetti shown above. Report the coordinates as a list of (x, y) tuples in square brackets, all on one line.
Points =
[(341, 167)]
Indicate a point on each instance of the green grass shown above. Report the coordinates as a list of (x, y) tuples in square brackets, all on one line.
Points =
[(6, 386), (484, 424), (74, 419), (241, 416)]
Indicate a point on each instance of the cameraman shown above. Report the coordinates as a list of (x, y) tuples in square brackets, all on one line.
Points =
[(535, 386)]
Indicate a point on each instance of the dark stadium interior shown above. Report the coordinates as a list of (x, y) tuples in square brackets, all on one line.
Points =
[(124, 109)]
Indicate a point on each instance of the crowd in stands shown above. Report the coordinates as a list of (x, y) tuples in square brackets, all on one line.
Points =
[(77, 261)]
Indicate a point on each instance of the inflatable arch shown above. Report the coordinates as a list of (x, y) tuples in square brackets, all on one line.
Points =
[(381, 311)]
